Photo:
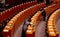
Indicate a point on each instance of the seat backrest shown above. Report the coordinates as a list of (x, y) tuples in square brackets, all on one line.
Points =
[(15, 10), (19, 18)]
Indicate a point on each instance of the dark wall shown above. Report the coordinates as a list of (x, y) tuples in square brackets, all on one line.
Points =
[(16, 2), (10, 2)]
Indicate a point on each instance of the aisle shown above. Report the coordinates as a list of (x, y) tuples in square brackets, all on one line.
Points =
[(58, 26), (40, 30), (18, 31)]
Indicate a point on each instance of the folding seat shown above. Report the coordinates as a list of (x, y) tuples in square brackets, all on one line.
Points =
[(57, 33), (8, 27), (18, 5), (52, 34), (12, 7), (21, 12), (29, 31), (32, 18), (20, 8), (24, 6), (11, 27), (7, 13), (29, 27), (4, 15), (39, 4), (10, 12), (28, 4), (33, 22), (11, 23), (17, 15), (51, 30), (15, 8), (50, 27), (25, 9), (6, 30), (31, 1), (13, 20), (24, 3)]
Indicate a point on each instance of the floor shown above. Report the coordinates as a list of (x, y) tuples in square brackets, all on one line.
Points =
[(18, 32), (58, 26), (40, 30)]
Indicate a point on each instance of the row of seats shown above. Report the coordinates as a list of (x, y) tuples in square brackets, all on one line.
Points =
[(56, 1), (51, 8), (6, 15), (18, 19), (24, 10), (33, 22), (13, 24), (47, 9), (35, 18), (51, 25), (9, 12)]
